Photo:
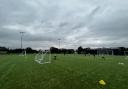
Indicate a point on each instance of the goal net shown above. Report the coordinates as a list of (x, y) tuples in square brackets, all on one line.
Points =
[(110, 52), (126, 54), (105, 52), (43, 57), (24, 53)]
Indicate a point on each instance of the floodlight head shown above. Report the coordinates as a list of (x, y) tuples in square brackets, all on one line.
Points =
[(22, 32)]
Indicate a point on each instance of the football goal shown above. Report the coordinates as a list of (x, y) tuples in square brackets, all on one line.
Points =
[(24, 53), (105, 52), (126, 54), (43, 57)]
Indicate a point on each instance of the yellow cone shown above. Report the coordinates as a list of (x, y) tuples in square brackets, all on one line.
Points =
[(102, 82)]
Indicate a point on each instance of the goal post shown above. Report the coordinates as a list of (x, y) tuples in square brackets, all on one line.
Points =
[(125, 53), (24, 53), (105, 52), (110, 52), (43, 57)]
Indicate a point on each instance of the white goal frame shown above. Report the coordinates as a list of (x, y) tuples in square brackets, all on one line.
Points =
[(125, 53), (24, 53), (39, 58), (103, 52)]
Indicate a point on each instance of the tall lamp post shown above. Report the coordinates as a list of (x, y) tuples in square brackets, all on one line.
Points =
[(21, 33), (59, 42)]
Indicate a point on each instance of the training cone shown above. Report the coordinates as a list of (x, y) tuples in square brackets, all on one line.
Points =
[(102, 82)]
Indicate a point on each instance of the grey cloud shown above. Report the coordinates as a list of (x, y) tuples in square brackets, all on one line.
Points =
[(92, 23)]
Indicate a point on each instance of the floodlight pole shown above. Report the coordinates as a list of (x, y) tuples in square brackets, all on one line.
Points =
[(21, 33), (59, 42)]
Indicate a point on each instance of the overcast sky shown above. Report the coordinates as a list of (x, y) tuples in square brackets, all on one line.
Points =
[(87, 23)]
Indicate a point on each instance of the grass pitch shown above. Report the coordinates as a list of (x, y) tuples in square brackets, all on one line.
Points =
[(67, 72)]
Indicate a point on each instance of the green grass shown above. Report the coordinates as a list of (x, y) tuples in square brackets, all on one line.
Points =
[(67, 72)]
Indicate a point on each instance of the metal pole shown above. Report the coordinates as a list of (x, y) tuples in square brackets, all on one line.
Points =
[(21, 41), (59, 43), (21, 33)]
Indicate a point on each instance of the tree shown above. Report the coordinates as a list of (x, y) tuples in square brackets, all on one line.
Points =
[(29, 50), (54, 50), (80, 50)]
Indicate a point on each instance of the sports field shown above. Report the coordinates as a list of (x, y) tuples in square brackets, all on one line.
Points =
[(67, 72)]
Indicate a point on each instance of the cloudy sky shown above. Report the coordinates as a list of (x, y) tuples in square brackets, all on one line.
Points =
[(89, 23)]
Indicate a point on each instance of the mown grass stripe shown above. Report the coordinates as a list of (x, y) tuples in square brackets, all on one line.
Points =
[(4, 77)]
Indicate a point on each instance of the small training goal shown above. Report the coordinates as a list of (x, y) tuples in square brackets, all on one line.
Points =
[(43, 57), (126, 54), (24, 53), (105, 52)]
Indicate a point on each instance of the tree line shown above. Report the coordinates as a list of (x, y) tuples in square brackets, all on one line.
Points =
[(79, 50), (100, 51), (4, 50)]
